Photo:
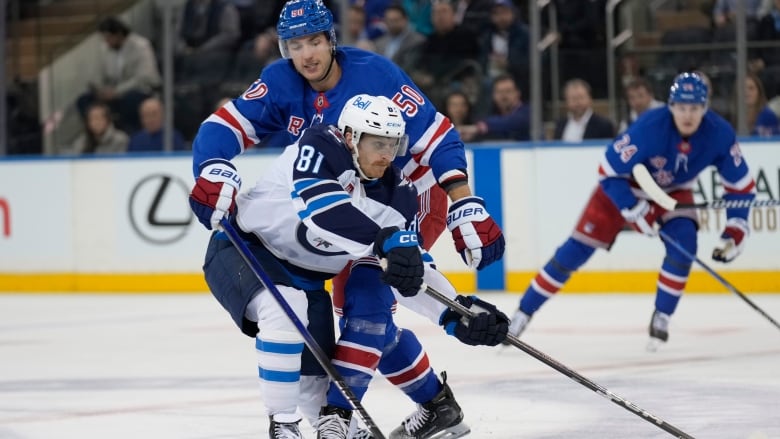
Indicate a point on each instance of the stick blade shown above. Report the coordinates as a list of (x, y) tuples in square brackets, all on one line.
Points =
[(648, 184)]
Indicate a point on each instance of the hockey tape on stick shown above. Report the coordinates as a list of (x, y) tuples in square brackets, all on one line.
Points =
[(544, 358), (648, 184), (661, 198), (315, 349), (714, 274)]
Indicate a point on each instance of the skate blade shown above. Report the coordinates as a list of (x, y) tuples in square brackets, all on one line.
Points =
[(453, 432), (653, 344)]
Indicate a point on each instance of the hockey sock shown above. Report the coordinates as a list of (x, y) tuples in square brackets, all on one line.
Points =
[(405, 364), (278, 366), (358, 352), (676, 266), (567, 259)]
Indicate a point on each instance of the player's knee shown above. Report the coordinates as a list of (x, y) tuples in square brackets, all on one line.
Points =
[(572, 255), (683, 232)]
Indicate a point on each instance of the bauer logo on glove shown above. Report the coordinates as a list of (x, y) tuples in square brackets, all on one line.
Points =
[(477, 237)]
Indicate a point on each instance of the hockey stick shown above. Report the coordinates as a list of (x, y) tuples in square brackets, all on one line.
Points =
[(714, 274), (315, 349), (648, 184), (651, 188), (544, 358)]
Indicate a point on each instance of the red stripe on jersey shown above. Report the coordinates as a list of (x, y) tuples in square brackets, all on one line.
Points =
[(349, 354), (746, 190), (602, 172), (671, 283), (441, 130), (227, 117), (419, 369), (545, 285)]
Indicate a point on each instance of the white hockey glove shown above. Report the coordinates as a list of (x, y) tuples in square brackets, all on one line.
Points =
[(640, 217), (732, 240), (214, 193)]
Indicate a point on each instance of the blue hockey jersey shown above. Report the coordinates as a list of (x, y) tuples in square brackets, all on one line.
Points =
[(281, 103), (675, 162)]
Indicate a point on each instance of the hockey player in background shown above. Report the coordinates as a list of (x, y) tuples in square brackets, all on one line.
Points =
[(311, 85), (675, 143), (330, 198)]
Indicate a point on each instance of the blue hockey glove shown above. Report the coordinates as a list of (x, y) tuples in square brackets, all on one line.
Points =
[(488, 327), (404, 269), (477, 237), (214, 193)]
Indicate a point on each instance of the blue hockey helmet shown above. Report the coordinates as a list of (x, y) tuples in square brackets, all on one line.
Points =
[(304, 17), (688, 88)]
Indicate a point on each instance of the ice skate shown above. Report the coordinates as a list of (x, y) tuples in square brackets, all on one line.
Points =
[(517, 326), (333, 423), (659, 330), (285, 426), (439, 418)]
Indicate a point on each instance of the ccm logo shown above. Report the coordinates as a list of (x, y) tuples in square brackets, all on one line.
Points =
[(406, 239)]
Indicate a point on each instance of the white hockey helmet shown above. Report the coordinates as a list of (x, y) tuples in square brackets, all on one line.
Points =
[(376, 115)]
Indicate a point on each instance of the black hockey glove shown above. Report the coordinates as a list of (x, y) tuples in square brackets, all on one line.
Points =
[(488, 327), (404, 269)]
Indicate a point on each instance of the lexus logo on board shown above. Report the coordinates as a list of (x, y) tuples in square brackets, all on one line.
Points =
[(158, 209)]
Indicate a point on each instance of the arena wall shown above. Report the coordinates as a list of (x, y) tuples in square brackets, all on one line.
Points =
[(123, 224)]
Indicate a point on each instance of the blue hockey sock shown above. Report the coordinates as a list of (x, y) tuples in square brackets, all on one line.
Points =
[(567, 259)]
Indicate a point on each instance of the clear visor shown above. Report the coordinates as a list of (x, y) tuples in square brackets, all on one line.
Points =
[(391, 146)]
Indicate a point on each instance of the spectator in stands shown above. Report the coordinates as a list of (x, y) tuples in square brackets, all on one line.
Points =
[(766, 60), (374, 13), (504, 44), (582, 29), (724, 13), (761, 120), (419, 12), (458, 108), (473, 15), (581, 122), (355, 27), (640, 98), (511, 119), (401, 43), (151, 137), (208, 25), (127, 73), (100, 135), (450, 54)]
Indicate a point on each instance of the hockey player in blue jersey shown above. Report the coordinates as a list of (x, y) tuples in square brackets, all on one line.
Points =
[(330, 198), (675, 143), (311, 84)]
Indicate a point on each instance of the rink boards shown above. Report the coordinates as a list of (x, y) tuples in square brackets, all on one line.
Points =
[(124, 224)]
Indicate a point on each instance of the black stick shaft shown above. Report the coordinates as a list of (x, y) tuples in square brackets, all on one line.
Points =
[(311, 343), (544, 358), (717, 277)]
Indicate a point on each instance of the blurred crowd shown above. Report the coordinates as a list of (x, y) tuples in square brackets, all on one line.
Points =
[(471, 58)]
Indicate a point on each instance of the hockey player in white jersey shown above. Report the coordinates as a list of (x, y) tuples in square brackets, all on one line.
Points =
[(332, 197)]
